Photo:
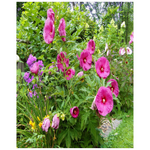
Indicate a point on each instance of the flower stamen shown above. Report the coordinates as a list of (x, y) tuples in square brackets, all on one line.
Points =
[(112, 89), (102, 69), (74, 111), (104, 100), (84, 60)]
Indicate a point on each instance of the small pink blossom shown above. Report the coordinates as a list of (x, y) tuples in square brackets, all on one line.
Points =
[(74, 112), (122, 51), (104, 101), (51, 14), (114, 87), (69, 74), (49, 31), (91, 46), (102, 67), (46, 124), (85, 60), (131, 38), (80, 74), (62, 61), (129, 51), (61, 29), (35, 68), (55, 122)]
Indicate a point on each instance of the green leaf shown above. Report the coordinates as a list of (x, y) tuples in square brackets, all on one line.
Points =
[(18, 72), (61, 136), (89, 97), (68, 140)]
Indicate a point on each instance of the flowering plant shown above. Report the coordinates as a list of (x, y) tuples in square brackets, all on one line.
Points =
[(64, 97)]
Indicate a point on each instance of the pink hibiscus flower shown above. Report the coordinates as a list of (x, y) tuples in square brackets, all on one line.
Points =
[(62, 61), (91, 46), (104, 101), (55, 122), (102, 67), (61, 29), (49, 31), (131, 38), (85, 60), (122, 51), (51, 14), (129, 51), (74, 112), (69, 74), (114, 87), (35, 68)]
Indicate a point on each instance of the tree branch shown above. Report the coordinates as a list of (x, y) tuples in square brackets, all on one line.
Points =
[(22, 41)]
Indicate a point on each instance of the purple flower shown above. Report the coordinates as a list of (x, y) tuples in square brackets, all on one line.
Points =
[(34, 93), (40, 73), (55, 123), (34, 85), (30, 93), (31, 60), (40, 62), (27, 78), (46, 124)]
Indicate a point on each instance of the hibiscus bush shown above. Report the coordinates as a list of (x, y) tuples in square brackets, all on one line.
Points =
[(69, 83)]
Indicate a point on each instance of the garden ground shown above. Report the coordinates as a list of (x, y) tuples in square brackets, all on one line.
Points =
[(122, 136)]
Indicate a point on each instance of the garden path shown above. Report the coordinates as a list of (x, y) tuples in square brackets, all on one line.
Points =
[(107, 127)]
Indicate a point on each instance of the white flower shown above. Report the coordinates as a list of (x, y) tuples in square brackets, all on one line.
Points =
[(123, 24), (108, 52), (129, 51), (17, 58), (106, 47)]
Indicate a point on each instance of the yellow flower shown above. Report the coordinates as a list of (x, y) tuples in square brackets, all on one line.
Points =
[(32, 124), (46, 116), (40, 124), (57, 17), (63, 117), (33, 128), (38, 118)]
